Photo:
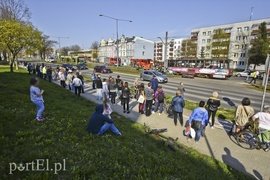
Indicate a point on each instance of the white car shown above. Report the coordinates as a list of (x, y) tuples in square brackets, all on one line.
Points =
[(51, 59), (242, 74)]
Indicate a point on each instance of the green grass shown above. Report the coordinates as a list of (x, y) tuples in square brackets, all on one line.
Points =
[(63, 136), (258, 87)]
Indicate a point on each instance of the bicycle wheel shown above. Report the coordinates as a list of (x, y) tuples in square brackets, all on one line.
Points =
[(247, 140)]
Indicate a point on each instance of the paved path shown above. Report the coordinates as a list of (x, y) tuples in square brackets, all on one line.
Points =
[(216, 144)]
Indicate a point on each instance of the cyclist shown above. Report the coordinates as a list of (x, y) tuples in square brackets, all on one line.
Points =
[(264, 125)]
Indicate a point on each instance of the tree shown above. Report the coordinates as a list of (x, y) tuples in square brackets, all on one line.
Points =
[(75, 47), (94, 47), (202, 52), (45, 46), (64, 50), (16, 36), (260, 47)]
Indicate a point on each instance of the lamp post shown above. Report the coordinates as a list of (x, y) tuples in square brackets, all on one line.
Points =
[(59, 38), (117, 42), (166, 43)]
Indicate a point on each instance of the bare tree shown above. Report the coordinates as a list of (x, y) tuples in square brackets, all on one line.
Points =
[(95, 46), (75, 47), (46, 45), (64, 50), (15, 10)]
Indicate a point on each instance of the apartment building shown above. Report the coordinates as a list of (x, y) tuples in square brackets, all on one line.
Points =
[(173, 49), (129, 48), (229, 41)]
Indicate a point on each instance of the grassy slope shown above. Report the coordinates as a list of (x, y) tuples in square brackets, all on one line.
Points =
[(63, 135)]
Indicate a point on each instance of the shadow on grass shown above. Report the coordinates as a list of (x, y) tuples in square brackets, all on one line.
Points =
[(63, 136)]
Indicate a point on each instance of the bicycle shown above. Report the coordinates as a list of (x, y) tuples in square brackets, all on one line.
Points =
[(249, 140), (169, 141), (168, 108)]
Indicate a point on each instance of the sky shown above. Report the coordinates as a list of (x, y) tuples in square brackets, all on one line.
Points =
[(80, 21)]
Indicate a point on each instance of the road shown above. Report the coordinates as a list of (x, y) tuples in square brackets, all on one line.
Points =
[(231, 91)]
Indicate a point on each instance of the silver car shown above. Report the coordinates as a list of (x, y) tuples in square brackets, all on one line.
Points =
[(148, 75)]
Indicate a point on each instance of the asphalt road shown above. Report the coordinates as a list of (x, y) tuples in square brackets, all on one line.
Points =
[(231, 91)]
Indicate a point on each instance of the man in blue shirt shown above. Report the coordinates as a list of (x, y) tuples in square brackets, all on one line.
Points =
[(154, 83), (199, 116)]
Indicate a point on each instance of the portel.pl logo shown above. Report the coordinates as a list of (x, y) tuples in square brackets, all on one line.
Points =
[(38, 165)]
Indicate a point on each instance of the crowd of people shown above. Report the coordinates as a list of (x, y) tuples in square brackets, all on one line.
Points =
[(150, 100)]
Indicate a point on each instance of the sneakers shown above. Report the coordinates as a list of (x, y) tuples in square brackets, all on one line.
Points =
[(159, 113), (124, 111), (212, 127), (128, 112), (153, 112), (40, 118)]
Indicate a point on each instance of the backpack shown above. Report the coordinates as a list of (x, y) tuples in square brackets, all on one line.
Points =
[(160, 97)]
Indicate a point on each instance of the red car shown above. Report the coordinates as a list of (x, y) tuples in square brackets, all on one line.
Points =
[(102, 69)]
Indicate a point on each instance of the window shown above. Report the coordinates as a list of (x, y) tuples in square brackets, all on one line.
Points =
[(209, 33), (235, 54), (236, 46), (143, 53), (238, 38), (207, 55), (204, 33), (243, 54), (208, 40), (208, 47), (242, 63), (203, 40), (244, 46), (244, 38), (246, 28), (239, 29)]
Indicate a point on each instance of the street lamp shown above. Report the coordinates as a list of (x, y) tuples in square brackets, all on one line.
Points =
[(59, 38), (166, 43), (117, 43)]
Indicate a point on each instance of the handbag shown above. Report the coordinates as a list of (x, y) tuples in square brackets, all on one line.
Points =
[(196, 125), (141, 99)]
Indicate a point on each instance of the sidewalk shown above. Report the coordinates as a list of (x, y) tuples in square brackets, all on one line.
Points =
[(216, 144)]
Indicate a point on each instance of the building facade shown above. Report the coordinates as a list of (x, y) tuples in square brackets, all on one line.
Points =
[(173, 50), (129, 48), (229, 41)]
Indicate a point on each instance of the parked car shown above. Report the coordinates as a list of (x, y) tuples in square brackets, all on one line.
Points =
[(81, 66), (243, 74), (51, 59), (148, 75), (68, 66), (102, 69)]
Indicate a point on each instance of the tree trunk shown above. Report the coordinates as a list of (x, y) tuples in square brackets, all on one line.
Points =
[(16, 63), (11, 64)]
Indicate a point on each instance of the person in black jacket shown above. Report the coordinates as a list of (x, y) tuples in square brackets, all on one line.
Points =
[(99, 123), (212, 106), (99, 87), (79, 75), (125, 97)]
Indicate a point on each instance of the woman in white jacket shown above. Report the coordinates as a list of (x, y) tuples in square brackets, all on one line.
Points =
[(105, 90)]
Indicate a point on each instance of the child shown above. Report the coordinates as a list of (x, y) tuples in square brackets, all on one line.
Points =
[(107, 110), (36, 98)]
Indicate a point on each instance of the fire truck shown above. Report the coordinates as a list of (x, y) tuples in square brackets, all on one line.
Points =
[(112, 61), (142, 63)]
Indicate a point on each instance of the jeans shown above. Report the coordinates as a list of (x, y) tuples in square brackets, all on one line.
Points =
[(213, 113), (40, 108), (160, 105), (175, 116), (94, 84), (148, 107), (113, 95), (198, 133), (253, 79), (105, 95), (107, 127), (45, 76), (126, 104), (99, 94), (50, 77), (78, 90)]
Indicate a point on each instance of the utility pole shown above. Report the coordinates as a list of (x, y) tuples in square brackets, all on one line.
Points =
[(248, 40), (165, 44), (265, 79), (59, 44)]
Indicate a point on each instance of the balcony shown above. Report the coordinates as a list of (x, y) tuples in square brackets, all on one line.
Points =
[(194, 37)]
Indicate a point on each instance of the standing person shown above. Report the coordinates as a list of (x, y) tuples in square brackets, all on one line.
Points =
[(125, 97), (29, 68), (77, 84), (62, 78), (212, 106), (37, 98), (253, 77), (112, 87), (80, 76), (99, 124), (99, 87), (49, 73), (198, 120), (41, 71), (159, 100), (105, 90), (69, 79), (107, 110), (149, 93), (38, 70), (136, 87), (181, 88), (242, 115), (94, 78), (44, 72), (117, 81), (178, 103), (34, 69), (141, 93), (154, 83)]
